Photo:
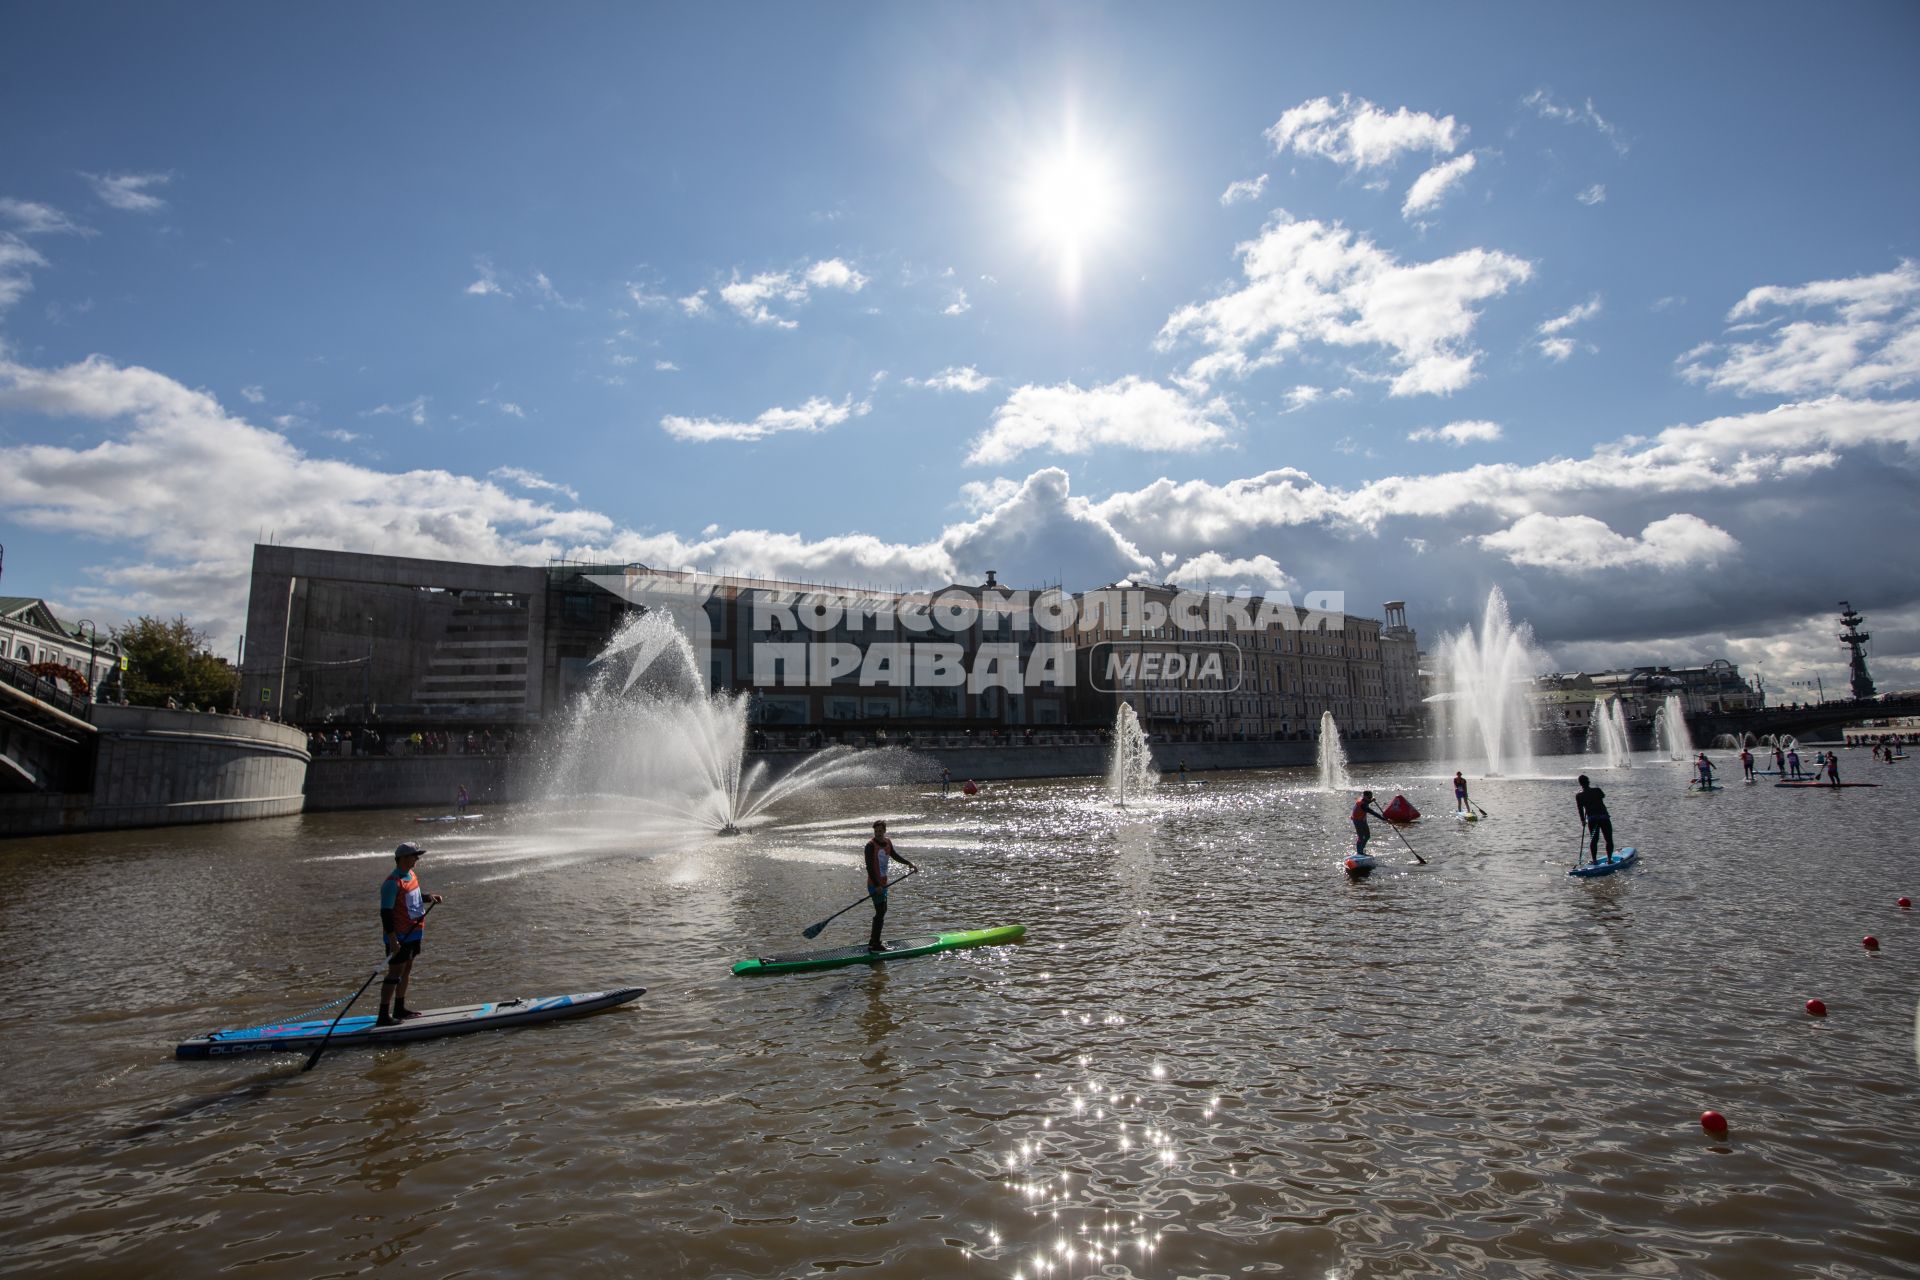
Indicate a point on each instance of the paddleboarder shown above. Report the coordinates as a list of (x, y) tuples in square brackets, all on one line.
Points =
[(1779, 761), (1591, 804), (1833, 767), (463, 799), (403, 915), (1793, 762), (1361, 832), (1705, 766), (1746, 763), (1183, 773), (1460, 802), (878, 851)]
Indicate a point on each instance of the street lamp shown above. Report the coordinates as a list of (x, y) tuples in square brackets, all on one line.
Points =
[(93, 657)]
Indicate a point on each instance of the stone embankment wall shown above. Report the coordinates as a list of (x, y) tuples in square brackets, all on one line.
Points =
[(154, 768), (407, 781)]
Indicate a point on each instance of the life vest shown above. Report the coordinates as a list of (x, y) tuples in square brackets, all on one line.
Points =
[(877, 851), (400, 894)]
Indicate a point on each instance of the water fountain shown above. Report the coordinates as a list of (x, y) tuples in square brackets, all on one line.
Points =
[(1130, 764), (1485, 708), (1670, 730), (1333, 758), (653, 747), (1610, 727)]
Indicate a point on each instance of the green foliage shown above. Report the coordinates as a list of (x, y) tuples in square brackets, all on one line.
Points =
[(170, 660)]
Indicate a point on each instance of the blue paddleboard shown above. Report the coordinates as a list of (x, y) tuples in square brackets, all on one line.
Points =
[(1607, 865)]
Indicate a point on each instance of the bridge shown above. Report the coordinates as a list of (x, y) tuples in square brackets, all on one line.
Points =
[(1805, 722), (46, 733)]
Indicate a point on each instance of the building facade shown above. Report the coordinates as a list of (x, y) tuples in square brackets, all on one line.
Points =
[(31, 636)]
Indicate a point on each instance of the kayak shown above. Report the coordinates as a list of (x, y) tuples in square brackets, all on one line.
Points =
[(1607, 865), (1359, 865), (897, 949), (459, 1020), (1828, 785)]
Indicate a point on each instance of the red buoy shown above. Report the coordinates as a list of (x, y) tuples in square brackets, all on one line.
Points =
[(1906, 903), (1870, 942), (1714, 1123), (1817, 1007)]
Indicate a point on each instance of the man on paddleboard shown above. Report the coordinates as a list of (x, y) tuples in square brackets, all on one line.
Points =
[(1793, 761), (878, 851), (1705, 766), (1460, 801), (1591, 804), (1833, 767), (1746, 763), (1361, 832), (403, 916)]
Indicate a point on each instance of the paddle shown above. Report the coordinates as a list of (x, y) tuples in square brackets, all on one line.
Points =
[(1483, 812), (813, 930), (1410, 849), (322, 1046)]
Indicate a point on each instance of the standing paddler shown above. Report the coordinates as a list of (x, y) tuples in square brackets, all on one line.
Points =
[(403, 920), (1361, 832), (878, 851), (1746, 763), (1461, 803), (1591, 804)]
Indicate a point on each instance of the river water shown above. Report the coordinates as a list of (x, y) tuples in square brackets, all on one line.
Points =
[(1213, 1054)]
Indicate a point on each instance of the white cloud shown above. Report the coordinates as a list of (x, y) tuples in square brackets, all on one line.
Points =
[(414, 411), (1553, 343), (817, 414), (1221, 573), (1543, 102), (1355, 133), (1431, 187), (17, 261), (1127, 414), (751, 298), (1314, 282), (128, 191), (832, 273), (954, 378), (1459, 433), (532, 480), (665, 366), (1595, 194), (695, 304), (488, 282), (511, 409), (1244, 189), (543, 287), (185, 487), (959, 306), (1582, 544), (31, 218), (1866, 339), (253, 395)]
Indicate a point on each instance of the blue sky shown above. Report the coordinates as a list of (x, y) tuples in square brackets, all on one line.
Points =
[(1616, 308)]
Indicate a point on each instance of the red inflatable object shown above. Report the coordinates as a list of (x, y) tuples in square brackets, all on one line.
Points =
[(971, 789), (1818, 1008), (1399, 810), (1906, 903), (1714, 1123), (1870, 942)]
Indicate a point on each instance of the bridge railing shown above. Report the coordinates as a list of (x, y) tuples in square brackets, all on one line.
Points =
[(16, 675)]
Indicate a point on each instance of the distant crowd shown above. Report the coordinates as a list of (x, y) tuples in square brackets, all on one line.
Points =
[(365, 740)]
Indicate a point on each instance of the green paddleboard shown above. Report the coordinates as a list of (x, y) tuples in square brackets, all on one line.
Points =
[(897, 949)]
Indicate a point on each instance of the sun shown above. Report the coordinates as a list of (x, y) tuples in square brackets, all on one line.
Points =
[(1072, 199)]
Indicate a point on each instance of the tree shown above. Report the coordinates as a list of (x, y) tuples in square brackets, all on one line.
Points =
[(170, 660)]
